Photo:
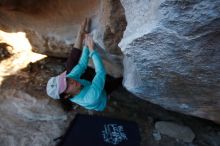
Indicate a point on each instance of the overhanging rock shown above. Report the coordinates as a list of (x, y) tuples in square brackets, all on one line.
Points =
[(172, 54)]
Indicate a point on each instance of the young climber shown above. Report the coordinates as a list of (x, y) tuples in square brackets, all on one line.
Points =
[(79, 83)]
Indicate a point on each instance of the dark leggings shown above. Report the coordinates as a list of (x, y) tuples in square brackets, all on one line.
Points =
[(111, 83)]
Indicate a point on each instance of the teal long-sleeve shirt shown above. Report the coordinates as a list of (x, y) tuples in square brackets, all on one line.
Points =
[(92, 95)]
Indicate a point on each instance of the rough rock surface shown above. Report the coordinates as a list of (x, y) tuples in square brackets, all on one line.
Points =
[(171, 50), (26, 120), (52, 26)]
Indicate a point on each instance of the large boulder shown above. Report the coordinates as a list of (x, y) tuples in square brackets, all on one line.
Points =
[(172, 54)]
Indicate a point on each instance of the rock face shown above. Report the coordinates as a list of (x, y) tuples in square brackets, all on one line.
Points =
[(170, 47), (28, 121), (172, 54), (52, 26)]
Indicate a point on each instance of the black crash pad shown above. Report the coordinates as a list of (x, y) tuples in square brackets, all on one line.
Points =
[(86, 130)]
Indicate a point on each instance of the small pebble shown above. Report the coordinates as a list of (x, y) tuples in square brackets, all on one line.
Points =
[(156, 135), (175, 130)]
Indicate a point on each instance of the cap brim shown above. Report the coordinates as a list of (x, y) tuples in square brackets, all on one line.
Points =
[(62, 82)]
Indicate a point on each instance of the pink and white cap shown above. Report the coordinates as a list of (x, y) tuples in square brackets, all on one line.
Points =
[(56, 85)]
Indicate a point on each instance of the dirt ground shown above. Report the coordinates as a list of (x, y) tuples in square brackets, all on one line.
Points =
[(122, 105)]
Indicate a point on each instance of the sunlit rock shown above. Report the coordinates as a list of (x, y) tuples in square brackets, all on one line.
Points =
[(52, 26)]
